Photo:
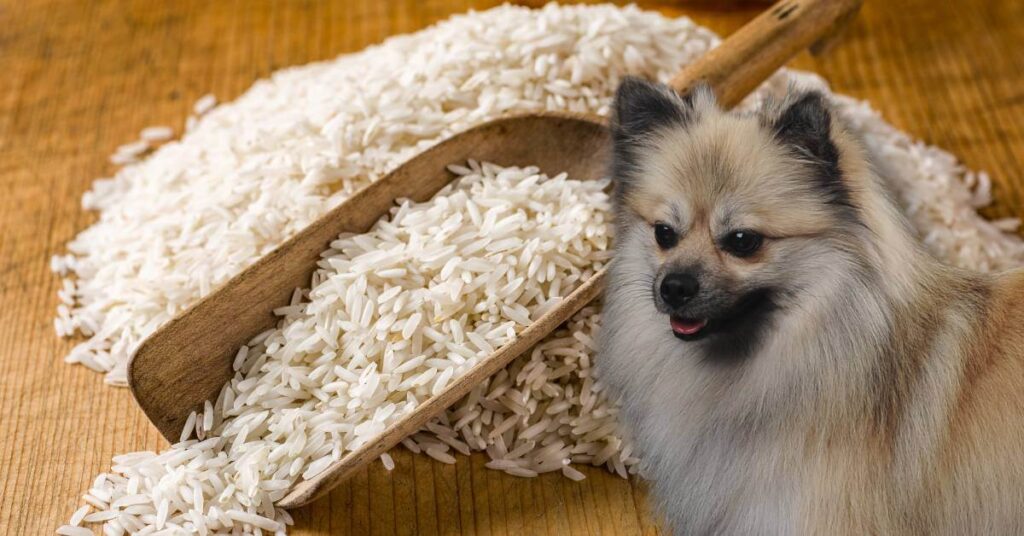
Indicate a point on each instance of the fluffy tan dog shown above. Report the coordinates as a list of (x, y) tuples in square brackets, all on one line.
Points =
[(789, 358)]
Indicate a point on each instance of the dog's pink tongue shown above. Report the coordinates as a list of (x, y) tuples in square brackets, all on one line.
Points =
[(687, 327)]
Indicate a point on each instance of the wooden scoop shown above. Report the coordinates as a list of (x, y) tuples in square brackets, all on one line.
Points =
[(189, 360)]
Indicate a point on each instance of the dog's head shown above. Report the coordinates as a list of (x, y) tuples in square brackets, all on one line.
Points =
[(726, 217)]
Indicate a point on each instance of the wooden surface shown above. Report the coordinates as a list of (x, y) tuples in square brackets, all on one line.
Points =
[(77, 79)]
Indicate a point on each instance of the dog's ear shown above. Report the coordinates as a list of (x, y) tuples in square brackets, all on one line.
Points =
[(805, 125), (641, 108)]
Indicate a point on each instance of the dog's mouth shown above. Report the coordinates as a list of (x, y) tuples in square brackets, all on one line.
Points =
[(733, 331), (688, 329)]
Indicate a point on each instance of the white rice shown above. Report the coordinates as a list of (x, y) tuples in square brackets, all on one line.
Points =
[(541, 413), (204, 104), (79, 515), (249, 173), (156, 134), (337, 370), (72, 530)]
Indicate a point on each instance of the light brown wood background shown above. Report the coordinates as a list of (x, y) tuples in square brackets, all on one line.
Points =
[(79, 78)]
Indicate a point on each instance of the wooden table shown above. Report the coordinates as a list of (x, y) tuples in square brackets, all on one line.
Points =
[(77, 79)]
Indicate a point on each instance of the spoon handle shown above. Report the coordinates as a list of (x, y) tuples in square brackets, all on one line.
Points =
[(752, 53)]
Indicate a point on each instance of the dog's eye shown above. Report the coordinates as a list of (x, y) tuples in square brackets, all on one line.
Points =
[(665, 236), (742, 243)]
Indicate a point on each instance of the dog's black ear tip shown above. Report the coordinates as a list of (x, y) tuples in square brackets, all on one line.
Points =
[(640, 106), (812, 102), (633, 89), (630, 81), (811, 94), (804, 113)]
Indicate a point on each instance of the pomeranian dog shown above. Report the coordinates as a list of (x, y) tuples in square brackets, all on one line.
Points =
[(788, 357)]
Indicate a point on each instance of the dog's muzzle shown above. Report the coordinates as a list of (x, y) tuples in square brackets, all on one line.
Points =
[(677, 289)]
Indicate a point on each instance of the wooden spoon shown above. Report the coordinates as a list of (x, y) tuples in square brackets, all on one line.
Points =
[(189, 360)]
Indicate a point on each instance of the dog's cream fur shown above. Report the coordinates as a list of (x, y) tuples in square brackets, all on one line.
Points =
[(884, 394)]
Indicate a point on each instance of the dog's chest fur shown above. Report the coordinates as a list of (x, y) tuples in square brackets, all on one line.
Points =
[(717, 464), (724, 477)]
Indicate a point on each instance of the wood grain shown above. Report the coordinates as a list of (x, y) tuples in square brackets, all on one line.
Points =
[(80, 78)]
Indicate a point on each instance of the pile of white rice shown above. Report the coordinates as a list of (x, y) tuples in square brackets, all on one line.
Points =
[(391, 317), (248, 174)]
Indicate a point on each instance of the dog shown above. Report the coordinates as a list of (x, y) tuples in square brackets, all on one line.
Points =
[(788, 358)]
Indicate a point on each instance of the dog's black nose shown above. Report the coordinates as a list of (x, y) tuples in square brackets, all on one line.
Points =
[(677, 289)]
